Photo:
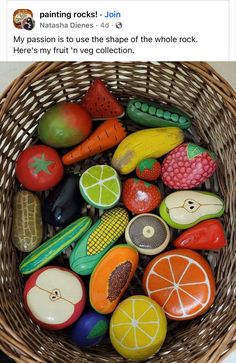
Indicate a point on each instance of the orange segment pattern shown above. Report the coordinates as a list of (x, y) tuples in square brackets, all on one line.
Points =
[(181, 281)]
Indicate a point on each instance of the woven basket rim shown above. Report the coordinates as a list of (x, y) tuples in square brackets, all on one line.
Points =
[(203, 68), (9, 340)]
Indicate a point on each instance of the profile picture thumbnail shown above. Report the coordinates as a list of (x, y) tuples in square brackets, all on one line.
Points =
[(23, 19)]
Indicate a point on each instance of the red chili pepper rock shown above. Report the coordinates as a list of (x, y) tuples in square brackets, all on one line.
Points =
[(206, 235)]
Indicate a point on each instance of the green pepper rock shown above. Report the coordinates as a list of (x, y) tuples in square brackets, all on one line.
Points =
[(150, 114)]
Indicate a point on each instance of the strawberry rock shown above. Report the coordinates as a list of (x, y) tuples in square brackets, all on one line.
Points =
[(188, 166), (148, 169), (139, 196)]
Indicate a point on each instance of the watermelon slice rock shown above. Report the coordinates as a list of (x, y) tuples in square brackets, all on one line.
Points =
[(100, 103)]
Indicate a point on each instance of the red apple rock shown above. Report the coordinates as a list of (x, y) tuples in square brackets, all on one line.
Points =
[(139, 196), (188, 166), (54, 297)]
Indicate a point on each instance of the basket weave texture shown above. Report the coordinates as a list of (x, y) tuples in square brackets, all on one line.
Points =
[(211, 102)]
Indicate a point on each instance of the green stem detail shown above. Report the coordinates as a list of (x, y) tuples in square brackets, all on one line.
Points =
[(146, 164), (194, 150), (41, 164)]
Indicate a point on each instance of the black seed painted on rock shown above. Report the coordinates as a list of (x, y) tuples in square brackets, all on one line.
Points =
[(117, 280)]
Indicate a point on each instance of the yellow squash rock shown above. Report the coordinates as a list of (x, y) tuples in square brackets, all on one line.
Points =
[(145, 144)]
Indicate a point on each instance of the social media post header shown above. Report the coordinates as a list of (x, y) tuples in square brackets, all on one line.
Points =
[(118, 30)]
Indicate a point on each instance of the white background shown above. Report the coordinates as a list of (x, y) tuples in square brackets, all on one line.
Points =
[(208, 20)]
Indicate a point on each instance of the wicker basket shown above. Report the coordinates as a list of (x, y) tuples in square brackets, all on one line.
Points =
[(202, 93)]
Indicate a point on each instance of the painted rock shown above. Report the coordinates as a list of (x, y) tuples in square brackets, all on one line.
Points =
[(150, 114), (107, 135), (182, 282), (206, 235), (188, 166), (139, 196), (90, 329), (184, 209), (148, 169), (27, 226), (143, 144), (54, 297), (111, 278), (100, 103), (138, 328), (100, 186), (64, 124), (54, 245), (39, 168), (98, 240), (148, 233), (55, 207)]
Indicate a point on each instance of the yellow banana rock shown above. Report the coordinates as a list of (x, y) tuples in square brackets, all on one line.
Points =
[(144, 144)]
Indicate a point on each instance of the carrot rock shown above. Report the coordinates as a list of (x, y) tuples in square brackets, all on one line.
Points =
[(109, 134)]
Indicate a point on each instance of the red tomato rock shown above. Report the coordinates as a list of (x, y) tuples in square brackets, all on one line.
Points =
[(148, 169), (188, 166), (139, 196), (206, 235), (39, 168), (54, 297)]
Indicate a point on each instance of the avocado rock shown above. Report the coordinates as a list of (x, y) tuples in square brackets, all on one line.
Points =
[(185, 208)]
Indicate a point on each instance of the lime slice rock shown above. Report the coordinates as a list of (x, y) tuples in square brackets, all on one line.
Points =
[(100, 186)]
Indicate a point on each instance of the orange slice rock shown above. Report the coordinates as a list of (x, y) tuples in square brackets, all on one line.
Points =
[(181, 282)]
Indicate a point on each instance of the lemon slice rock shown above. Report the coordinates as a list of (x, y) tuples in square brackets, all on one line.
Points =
[(100, 186), (138, 328)]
